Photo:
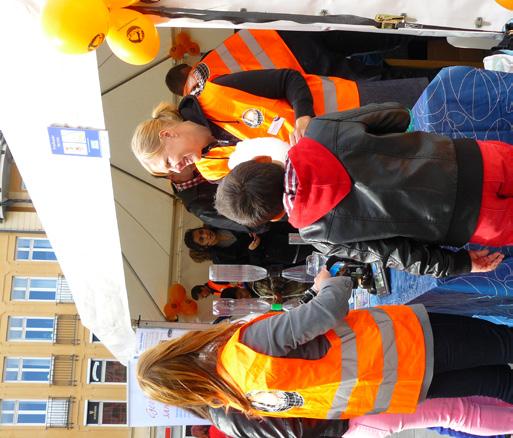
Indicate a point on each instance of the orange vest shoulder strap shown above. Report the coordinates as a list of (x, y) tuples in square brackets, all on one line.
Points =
[(214, 165)]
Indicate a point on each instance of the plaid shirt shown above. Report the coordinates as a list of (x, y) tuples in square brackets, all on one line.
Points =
[(189, 184), (200, 73), (289, 193)]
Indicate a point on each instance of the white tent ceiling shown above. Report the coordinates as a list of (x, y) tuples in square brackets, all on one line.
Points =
[(73, 195)]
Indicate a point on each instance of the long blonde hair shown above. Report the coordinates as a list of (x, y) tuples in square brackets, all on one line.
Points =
[(182, 372), (145, 140)]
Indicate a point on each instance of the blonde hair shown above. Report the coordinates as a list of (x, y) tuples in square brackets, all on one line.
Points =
[(145, 140), (182, 372)]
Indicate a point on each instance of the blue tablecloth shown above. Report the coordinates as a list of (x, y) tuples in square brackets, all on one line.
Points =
[(463, 102), (488, 295), (467, 102)]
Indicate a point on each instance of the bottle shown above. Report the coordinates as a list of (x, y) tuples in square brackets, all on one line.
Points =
[(239, 273), (298, 273), (315, 262), (240, 307)]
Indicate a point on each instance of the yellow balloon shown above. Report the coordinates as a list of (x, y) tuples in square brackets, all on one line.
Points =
[(133, 37), (111, 4), (508, 4), (75, 26)]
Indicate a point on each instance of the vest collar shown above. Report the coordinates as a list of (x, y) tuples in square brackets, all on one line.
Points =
[(214, 144)]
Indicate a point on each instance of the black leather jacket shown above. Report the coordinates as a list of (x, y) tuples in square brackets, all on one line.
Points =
[(237, 425), (411, 192)]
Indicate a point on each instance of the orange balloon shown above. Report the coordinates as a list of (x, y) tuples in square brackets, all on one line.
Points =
[(133, 37), (508, 4), (176, 293), (188, 307), (182, 38), (171, 311), (177, 52), (111, 4), (193, 49)]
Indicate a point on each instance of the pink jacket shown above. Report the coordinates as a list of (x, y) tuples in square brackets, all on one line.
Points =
[(476, 415)]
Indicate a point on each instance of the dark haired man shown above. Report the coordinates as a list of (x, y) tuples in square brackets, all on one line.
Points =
[(360, 187)]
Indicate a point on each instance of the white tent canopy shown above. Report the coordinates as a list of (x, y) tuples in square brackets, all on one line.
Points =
[(73, 195)]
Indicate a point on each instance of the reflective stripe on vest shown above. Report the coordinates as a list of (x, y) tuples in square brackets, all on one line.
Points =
[(245, 115), (376, 363), (331, 94), (214, 165), (250, 49)]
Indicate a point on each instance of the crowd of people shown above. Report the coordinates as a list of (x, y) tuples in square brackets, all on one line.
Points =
[(353, 178)]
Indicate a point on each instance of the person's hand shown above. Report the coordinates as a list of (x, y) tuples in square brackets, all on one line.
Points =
[(323, 274), (256, 241), (299, 130), (277, 298), (483, 261)]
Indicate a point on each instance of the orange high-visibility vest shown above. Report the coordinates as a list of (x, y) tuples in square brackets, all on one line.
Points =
[(218, 287), (249, 49), (214, 164), (245, 115), (376, 363)]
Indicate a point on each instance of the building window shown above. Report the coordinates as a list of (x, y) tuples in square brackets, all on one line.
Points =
[(104, 413), (95, 339), (23, 412), (34, 249), (34, 289), (106, 371), (24, 328), (27, 369)]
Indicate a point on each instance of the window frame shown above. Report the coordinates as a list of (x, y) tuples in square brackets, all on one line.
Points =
[(104, 371), (16, 412), (28, 288), (20, 370), (86, 407), (24, 329), (31, 250)]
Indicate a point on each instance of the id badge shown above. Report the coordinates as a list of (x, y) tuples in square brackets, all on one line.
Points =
[(276, 125)]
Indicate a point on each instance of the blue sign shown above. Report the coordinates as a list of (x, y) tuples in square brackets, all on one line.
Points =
[(76, 141)]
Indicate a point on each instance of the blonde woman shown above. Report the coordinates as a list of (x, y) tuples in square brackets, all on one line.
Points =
[(166, 145), (321, 361)]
